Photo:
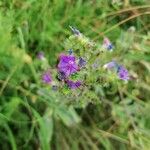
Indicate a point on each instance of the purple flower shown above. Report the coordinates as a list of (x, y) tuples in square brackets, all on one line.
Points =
[(46, 77), (82, 62), (73, 84), (123, 73), (107, 44), (110, 47), (40, 55), (110, 65), (67, 64), (75, 31)]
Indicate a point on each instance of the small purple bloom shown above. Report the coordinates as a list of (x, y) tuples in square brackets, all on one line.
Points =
[(67, 64), (75, 31), (82, 62), (40, 55), (46, 77), (123, 73), (110, 47), (110, 65), (73, 85), (107, 44)]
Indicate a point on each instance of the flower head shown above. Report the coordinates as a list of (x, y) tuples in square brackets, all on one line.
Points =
[(67, 64), (73, 84), (123, 73), (40, 55), (46, 77), (107, 44)]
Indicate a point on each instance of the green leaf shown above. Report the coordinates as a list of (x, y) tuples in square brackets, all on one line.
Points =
[(11, 137), (11, 106), (45, 129), (68, 116)]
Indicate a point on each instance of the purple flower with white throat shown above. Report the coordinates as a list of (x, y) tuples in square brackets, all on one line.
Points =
[(73, 84), (107, 44), (40, 55), (123, 73), (67, 64), (46, 77)]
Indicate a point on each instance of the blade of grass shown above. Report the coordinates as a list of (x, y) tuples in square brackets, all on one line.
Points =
[(7, 80), (11, 137)]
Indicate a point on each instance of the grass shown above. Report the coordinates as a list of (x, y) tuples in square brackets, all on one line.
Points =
[(116, 117)]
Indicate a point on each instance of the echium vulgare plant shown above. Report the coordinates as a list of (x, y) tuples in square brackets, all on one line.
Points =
[(83, 68)]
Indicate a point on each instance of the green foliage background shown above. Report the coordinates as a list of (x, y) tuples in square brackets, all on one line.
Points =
[(119, 116)]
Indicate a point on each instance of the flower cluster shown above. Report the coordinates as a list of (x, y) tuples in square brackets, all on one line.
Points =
[(70, 65), (121, 71)]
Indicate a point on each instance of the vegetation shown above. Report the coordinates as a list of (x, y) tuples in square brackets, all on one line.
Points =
[(105, 113)]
